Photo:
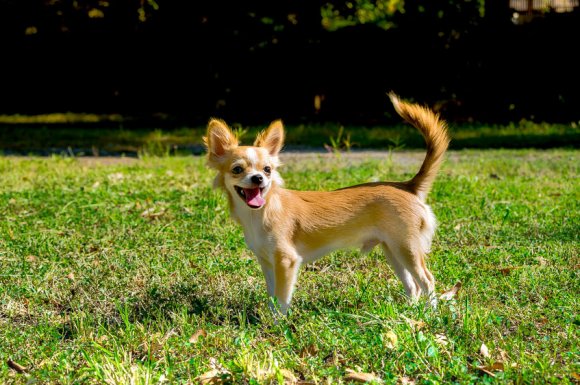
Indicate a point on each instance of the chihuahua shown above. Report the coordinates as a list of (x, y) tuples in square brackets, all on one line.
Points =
[(287, 228)]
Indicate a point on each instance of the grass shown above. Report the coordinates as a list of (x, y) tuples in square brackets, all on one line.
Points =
[(131, 272), (69, 139)]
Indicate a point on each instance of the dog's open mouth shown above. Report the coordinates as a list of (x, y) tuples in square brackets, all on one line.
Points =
[(252, 196)]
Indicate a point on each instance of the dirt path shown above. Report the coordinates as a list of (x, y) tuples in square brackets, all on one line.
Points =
[(403, 157)]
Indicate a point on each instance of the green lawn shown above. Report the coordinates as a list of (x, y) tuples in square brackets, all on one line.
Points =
[(129, 271)]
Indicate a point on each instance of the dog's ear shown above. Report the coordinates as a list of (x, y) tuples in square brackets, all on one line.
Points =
[(272, 139), (219, 140)]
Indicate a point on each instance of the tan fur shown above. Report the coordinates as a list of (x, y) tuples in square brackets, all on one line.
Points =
[(296, 227)]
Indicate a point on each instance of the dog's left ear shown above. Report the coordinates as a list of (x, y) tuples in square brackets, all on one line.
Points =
[(272, 139)]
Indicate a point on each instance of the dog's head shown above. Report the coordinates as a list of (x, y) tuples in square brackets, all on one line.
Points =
[(247, 173)]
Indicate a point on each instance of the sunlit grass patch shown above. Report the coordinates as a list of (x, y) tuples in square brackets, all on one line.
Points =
[(132, 272)]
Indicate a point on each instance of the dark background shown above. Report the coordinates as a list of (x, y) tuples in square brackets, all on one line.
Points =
[(180, 62)]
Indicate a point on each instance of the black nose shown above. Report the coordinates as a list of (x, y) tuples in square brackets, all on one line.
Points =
[(257, 179)]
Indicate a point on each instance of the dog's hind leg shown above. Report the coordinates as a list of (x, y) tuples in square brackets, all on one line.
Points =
[(411, 288), (414, 262)]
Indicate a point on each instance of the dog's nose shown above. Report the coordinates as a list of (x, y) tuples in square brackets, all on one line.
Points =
[(257, 179)]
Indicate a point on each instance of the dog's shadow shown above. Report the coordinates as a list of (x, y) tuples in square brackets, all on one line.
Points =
[(193, 299)]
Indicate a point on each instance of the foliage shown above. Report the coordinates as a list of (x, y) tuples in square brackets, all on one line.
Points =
[(350, 13), (339, 143)]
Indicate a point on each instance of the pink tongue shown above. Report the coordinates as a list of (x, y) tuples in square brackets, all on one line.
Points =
[(254, 197)]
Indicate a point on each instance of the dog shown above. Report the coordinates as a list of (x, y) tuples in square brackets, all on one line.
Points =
[(287, 228)]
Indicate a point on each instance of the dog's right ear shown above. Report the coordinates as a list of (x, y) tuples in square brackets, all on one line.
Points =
[(219, 140)]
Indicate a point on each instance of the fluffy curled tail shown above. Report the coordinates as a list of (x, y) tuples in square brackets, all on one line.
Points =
[(434, 131)]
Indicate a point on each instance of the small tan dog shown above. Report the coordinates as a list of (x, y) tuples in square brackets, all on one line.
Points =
[(286, 228)]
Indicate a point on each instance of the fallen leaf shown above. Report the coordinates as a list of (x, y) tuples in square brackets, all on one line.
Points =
[(391, 339), (214, 364), (309, 351), (195, 336), (155, 347), (441, 339), (490, 369), (360, 377), (449, 294), (507, 270), (503, 354), (496, 366), (542, 261), (416, 325), (542, 321), (406, 381), (115, 177), (484, 351), (214, 376), (486, 371), (288, 376), (16, 366), (576, 375), (150, 213)]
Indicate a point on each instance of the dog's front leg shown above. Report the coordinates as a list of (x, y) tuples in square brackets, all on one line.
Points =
[(268, 271), (286, 266)]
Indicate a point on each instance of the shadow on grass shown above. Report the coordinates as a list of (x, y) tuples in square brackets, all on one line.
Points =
[(158, 302), (86, 140)]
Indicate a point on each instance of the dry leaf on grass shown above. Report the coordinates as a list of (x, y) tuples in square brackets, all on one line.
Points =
[(214, 376), (451, 293), (490, 369), (16, 366), (151, 213), (391, 339), (416, 325), (195, 336), (441, 339), (351, 375), (508, 269), (406, 381), (484, 351), (486, 371), (217, 375), (309, 351), (289, 377)]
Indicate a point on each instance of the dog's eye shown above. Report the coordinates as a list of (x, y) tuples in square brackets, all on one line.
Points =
[(237, 170), (267, 169)]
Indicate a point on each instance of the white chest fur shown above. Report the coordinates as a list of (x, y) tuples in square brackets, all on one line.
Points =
[(258, 239)]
